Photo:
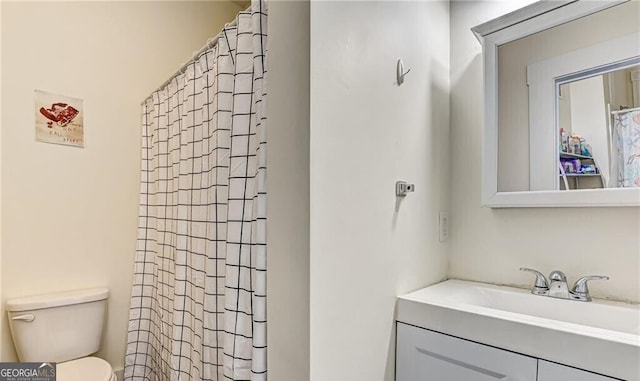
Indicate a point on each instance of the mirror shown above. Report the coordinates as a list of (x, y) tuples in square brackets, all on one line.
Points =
[(556, 74), (598, 123)]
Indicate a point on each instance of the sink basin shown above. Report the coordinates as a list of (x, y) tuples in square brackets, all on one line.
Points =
[(564, 331), (619, 317)]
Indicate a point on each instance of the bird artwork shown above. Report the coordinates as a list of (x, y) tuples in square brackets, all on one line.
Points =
[(61, 113)]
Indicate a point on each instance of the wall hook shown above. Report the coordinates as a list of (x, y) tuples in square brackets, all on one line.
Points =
[(400, 73)]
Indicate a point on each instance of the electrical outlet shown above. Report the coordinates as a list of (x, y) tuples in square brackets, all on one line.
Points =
[(443, 226)]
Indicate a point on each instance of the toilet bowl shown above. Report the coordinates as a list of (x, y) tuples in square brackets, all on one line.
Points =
[(65, 328)]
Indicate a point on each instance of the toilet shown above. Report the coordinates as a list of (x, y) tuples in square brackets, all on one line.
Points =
[(65, 328)]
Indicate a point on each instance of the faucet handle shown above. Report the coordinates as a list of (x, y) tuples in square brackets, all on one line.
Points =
[(541, 286), (580, 290)]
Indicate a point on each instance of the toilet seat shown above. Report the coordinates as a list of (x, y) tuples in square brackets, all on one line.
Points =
[(85, 369)]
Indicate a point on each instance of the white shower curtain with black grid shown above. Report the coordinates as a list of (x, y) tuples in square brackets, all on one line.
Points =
[(198, 308)]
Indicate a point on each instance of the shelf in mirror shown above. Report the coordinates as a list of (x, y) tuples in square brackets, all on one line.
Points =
[(565, 162), (567, 155)]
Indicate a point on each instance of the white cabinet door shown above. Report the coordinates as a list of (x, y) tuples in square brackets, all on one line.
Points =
[(548, 371), (424, 355)]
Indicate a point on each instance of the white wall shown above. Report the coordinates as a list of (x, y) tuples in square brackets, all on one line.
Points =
[(490, 245), (69, 215), (367, 246), (288, 191)]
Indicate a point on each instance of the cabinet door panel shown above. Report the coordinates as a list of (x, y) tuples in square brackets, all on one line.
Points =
[(424, 355), (548, 371)]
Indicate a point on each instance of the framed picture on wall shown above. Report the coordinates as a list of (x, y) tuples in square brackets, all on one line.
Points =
[(59, 119)]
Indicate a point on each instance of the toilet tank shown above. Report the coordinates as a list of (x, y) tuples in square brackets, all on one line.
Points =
[(57, 327)]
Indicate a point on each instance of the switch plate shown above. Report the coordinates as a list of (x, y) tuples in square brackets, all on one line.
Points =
[(443, 226)]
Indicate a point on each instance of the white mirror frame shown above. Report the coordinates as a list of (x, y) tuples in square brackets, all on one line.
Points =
[(531, 19)]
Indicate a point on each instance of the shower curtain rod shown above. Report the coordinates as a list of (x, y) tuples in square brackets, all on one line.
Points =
[(626, 110), (210, 43)]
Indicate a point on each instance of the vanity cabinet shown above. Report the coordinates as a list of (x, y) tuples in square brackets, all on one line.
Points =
[(424, 355), (427, 355), (548, 371)]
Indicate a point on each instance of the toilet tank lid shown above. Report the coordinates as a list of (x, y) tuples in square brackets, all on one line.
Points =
[(56, 299)]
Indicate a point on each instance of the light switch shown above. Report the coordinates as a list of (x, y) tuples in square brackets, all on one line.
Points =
[(443, 225)]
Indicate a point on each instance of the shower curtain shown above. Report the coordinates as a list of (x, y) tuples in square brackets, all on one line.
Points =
[(198, 308), (627, 148)]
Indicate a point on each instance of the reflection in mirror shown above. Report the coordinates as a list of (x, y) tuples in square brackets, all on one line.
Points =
[(599, 127), (528, 135)]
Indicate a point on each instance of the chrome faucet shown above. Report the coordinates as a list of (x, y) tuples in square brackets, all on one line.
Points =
[(556, 286)]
